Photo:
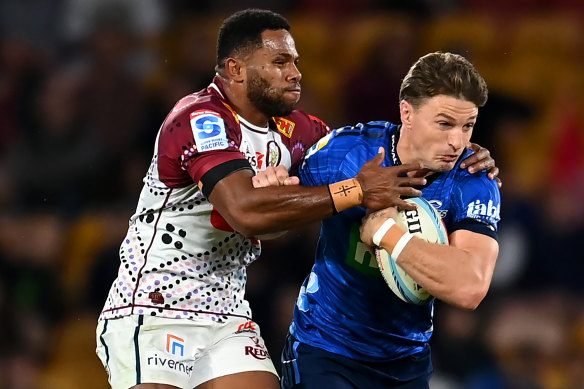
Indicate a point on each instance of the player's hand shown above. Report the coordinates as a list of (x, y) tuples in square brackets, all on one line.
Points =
[(384, 187), (373, 221), (274, 176), (481, 160)]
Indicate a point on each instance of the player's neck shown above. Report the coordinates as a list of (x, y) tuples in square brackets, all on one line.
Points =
[(407, 155)]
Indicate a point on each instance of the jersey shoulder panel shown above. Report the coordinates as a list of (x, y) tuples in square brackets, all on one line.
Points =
[(341, 154), (299, 131), (476, 197), (198, 120), (468, 197)]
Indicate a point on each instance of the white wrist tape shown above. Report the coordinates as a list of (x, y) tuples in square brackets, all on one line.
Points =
[(382, 231), (401, 243)]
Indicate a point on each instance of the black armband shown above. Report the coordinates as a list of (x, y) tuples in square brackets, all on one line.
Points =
[(217, 173), (478, 226)]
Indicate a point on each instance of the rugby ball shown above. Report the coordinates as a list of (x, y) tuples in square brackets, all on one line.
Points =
[(425, 223)]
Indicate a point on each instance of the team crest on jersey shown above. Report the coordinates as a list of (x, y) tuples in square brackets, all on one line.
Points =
[(208, 130), (437, 204), (285, 126), (274, 154)]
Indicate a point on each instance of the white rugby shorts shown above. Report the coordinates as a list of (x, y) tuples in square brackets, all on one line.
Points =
[(148, 349)]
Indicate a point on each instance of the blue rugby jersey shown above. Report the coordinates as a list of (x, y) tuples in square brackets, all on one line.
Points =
[(344, 305)]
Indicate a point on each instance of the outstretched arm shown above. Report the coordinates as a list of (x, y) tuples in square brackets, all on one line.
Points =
[(255, 211)]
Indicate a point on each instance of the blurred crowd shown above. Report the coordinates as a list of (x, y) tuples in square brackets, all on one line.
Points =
[(85, 85)]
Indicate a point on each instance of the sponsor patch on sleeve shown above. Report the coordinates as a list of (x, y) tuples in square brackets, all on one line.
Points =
[(285, 126), (208, 130)]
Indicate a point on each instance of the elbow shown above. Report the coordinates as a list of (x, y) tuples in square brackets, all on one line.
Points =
[(472, 290), (469, 302), (471, 297), (247, 224)]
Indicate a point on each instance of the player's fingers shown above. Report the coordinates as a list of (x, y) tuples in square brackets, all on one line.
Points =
[(411, 181), (494, 173), (281, 173), (271, 175), (407, 167), (260, 181), (408, 191), (402, 204), (487, 164), (480, 160), (378, 159), (474, 147), (292, 180)]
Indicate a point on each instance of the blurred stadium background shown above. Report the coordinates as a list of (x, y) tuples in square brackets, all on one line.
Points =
[(85, 85)]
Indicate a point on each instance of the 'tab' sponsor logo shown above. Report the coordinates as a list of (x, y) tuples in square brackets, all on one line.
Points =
[(175, 345), (208, 130), (477, 209), (258, 350)]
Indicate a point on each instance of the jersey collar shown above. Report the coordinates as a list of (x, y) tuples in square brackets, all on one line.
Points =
[(395, 161)]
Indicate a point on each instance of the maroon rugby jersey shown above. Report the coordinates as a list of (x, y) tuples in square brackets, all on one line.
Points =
[(180, 259)]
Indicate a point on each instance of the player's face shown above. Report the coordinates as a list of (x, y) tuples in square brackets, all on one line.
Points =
[(440, 128), (273, 79)]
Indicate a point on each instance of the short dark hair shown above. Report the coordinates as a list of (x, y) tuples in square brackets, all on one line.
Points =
[(242, 31), (442, 73)]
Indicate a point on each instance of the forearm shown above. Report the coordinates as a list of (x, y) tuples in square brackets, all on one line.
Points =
[(272, 209), (450, 274), (254, 211)]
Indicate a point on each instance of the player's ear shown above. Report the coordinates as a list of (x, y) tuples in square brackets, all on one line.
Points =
[(405, 112), (235, 69)]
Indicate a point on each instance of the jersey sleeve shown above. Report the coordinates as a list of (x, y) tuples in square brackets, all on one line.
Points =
[(314, 170), (476, 205), (199, 143), (299, 132), (341, 154)]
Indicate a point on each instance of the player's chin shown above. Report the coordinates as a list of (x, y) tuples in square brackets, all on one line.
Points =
[(286, 109), (291, 100), (443, 166)]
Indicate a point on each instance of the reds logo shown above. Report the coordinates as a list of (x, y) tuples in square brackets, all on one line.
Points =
[(258, 351)]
